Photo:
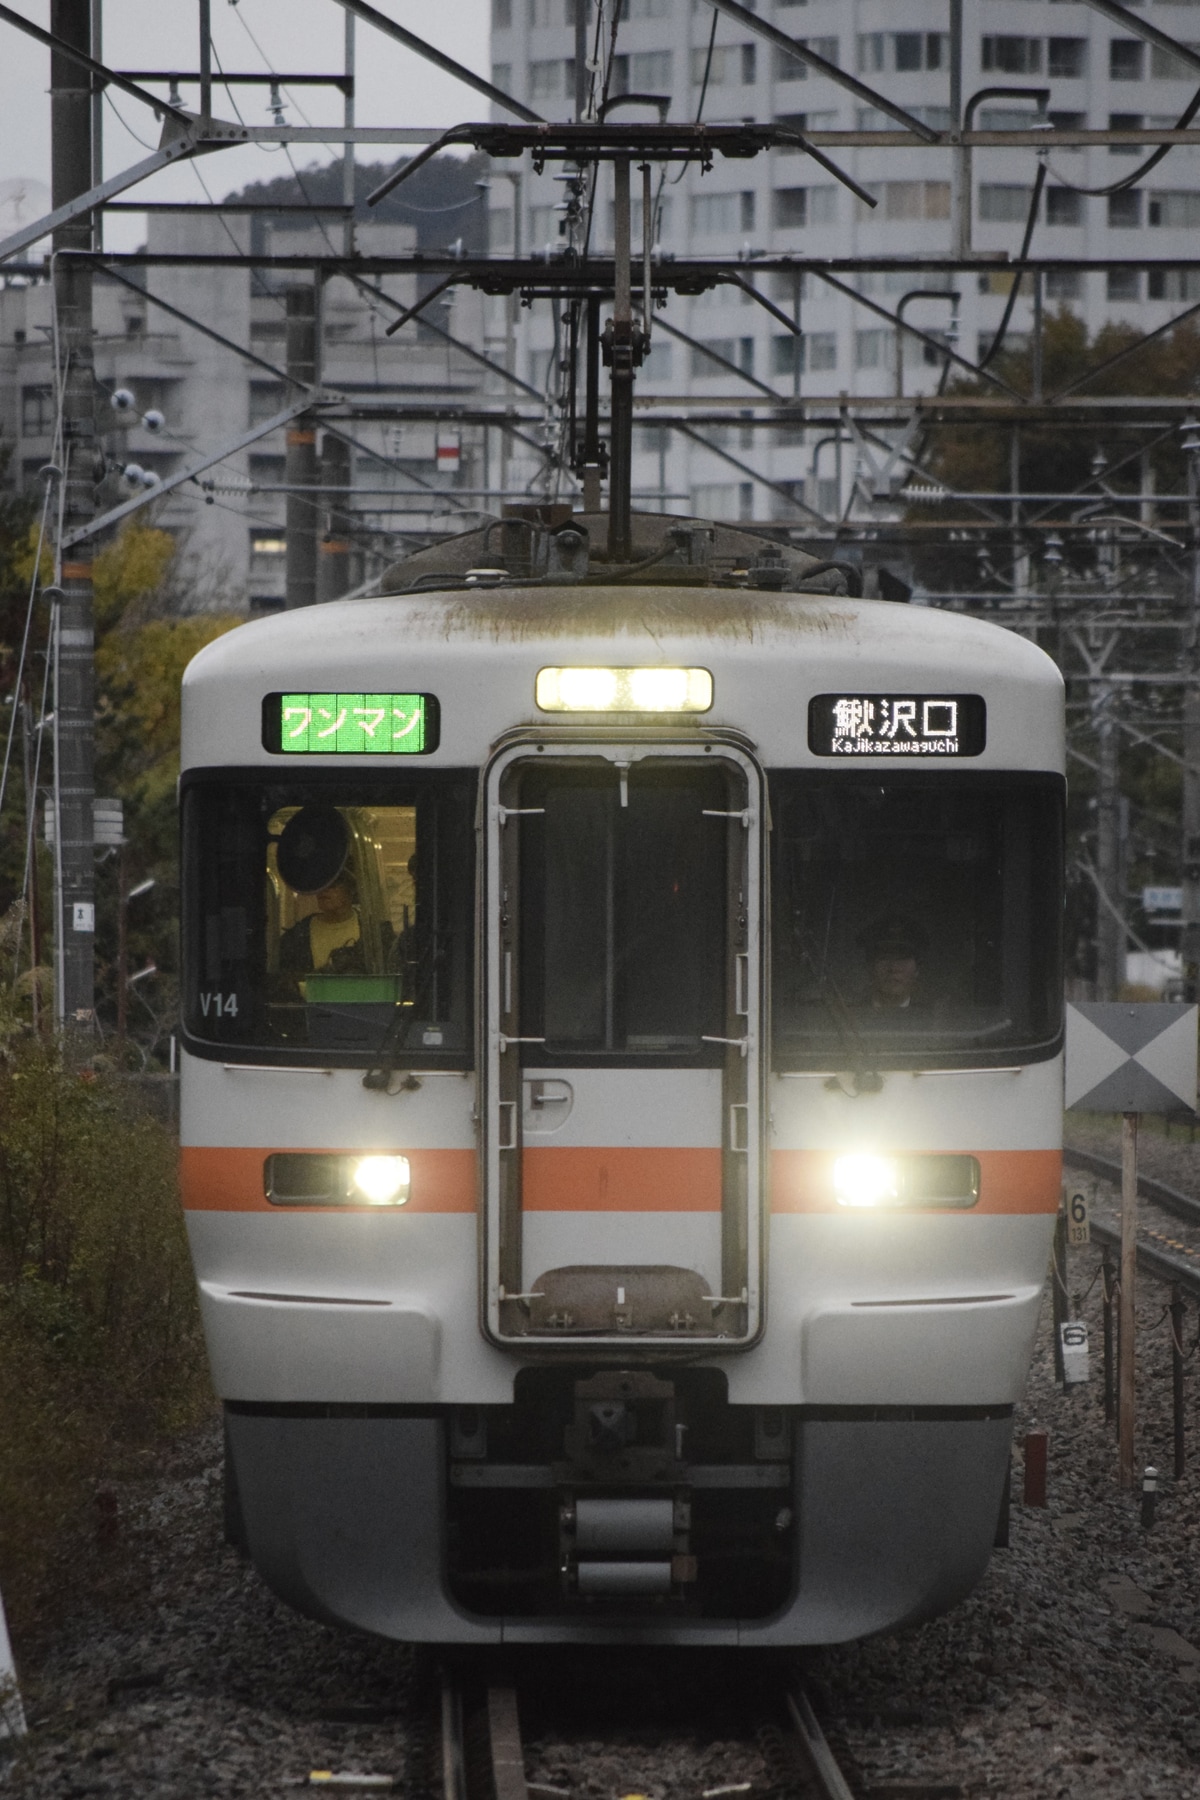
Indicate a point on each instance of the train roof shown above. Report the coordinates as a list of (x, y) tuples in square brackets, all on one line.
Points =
[(479, 649)]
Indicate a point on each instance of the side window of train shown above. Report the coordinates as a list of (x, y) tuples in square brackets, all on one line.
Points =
[(916, 919), (330, 918)]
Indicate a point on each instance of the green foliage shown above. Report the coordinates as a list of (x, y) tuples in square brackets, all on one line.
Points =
[(99, 1334)]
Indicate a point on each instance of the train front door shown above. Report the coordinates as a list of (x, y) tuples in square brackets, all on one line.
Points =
[(623, 998)]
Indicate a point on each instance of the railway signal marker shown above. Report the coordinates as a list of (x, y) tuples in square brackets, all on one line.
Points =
[(1130, 1059)]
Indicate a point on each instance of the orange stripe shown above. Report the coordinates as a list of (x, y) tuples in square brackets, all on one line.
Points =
[(77, 571), (223, 1180), (621, 1180), (1010, 1181)]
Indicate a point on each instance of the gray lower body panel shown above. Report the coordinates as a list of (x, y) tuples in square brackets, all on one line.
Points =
[(344, 1517)]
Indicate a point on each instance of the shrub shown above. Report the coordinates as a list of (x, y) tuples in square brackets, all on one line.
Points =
[(100, 1348)]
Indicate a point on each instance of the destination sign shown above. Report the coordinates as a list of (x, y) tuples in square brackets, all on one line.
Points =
[(912, 725), (350, 724)]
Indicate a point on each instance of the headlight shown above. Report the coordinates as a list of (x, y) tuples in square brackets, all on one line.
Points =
[(921, 1181), (866, 1181), (324, 1178), (624, 690), (383, 1180)]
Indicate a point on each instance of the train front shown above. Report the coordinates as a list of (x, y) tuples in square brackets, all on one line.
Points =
[(622, 1094)]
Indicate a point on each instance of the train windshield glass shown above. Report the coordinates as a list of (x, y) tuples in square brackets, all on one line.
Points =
[(916, 919), (330, 916)]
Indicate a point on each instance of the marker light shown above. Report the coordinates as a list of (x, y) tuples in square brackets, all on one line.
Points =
[(866, 1181), (382, 1180), (624, 690)]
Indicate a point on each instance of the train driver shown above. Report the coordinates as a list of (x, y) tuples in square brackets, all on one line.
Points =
[(893, 948), (329, 938)]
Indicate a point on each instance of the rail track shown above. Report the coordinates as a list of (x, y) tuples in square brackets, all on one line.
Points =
[(482, 1755), (1159, 1265)]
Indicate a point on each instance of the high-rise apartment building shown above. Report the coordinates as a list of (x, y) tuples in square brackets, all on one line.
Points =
[(1072, 65)]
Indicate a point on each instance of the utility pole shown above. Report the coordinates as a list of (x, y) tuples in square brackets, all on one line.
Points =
[(1110, 934), (71, 175), (301, 474), (333, 548), (1190, 872)]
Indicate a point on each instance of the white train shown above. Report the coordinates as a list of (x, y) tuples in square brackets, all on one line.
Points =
[(621, 1104)]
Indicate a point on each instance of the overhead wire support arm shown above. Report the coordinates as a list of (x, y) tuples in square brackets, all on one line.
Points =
[(95, 196), (792, 47), (98, 69), (105, 520), (371, 15)]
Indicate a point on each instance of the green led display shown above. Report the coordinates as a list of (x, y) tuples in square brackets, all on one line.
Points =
[(350, 724)]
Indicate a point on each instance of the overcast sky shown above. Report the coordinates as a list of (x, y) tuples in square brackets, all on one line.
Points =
[(394, 87)]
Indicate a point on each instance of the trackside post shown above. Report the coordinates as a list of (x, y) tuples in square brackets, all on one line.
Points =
[(12, 1713)]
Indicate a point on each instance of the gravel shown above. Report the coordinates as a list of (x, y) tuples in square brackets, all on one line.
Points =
[(1072, 1673)]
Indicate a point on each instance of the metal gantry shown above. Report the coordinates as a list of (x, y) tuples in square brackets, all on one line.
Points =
[(897, 499)]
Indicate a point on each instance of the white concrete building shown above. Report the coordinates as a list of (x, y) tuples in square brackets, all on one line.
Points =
[(231, 523), (1095, 76)]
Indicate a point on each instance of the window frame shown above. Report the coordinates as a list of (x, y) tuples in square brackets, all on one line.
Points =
[(1046, 926), (360, 779)]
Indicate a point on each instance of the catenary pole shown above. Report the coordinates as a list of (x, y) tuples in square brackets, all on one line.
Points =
[(302, 451), (71, 174)]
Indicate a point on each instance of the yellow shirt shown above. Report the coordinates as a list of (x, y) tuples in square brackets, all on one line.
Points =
[(327, 935)]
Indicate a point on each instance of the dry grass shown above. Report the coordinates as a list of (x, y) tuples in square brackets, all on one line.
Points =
[(100, 1348)]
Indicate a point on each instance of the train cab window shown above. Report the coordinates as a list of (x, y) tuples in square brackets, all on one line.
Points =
[(916, 919), (329, 917), (622, 887)]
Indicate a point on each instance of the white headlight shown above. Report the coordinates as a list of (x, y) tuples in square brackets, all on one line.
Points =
[(382, 1180), (652, 690), (864, 1180)]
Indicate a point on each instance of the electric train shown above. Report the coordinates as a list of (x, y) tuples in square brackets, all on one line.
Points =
[(621, 1090)]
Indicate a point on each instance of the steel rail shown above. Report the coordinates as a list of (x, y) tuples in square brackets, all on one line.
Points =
[(1183, 1206), (1155, 1264), (830, 1783)]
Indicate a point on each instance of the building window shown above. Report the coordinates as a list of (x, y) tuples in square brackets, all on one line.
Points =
[(547, 12), (267, 470), (1125, 122), (266, 399), (37, 411), (737, 351), (659, 361), (713, 214), (1012, 55), (1066, 58), (791, 208), (1063, 207), (1126, 59), (502, 77), (1003, 203), (790, 68), (1173, 284), (820, 350), (909, 200), (549, 78), (1174, 207), (268, 555), (1064, 284), (1124, 284), (874, 349), (715, 500), (1125, 210), (787, 354), (1165, 67), (501, 15), (1068, 121), (913, 50), (635, 9)]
